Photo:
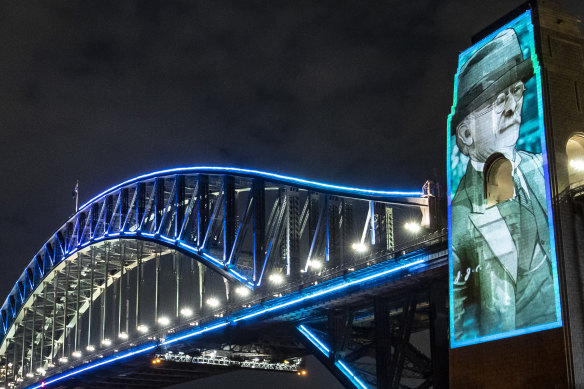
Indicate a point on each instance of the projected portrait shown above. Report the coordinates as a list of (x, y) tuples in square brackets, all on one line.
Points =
[(503, 269)]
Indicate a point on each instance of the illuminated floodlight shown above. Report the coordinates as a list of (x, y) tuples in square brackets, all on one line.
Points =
[(76, 354), (63, 360), (212, 302), (413, 227), (315, 264), (276, 278), (90, 348), (29, 375), (163, 321), (242, 291), (142, 328), (123, 335), (577, 164), (359, 247), (186, 312), (106, 342)]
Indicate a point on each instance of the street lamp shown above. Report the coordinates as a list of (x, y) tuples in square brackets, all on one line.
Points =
[(163, 321), (359, 247), (276, 278), (242, 291), (413, 227)]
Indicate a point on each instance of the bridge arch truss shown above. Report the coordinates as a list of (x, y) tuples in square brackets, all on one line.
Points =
[(173, 245)]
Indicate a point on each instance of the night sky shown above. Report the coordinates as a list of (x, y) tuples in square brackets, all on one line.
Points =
[(347, 92)]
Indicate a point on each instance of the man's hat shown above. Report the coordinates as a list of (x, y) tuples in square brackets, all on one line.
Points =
[(493, 67)]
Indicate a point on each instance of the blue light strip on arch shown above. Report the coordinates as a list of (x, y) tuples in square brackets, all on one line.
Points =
[(211, 170), (258, 173)]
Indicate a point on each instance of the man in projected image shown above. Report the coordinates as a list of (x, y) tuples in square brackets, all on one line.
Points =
[(502, 273)]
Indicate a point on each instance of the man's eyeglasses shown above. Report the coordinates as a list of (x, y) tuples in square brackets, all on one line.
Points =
[(516, 91)]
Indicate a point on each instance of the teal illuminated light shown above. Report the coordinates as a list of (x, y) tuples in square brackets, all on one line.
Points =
[(534, 141)]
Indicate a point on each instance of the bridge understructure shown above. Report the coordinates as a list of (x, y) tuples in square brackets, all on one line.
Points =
[(186, 273)]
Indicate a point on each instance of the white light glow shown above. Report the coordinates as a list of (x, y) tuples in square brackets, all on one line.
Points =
[(242, 291), (106, 342), (76, 354), (123, 335), (63, 359), (276, 278), (359, 247), (186, 312), (163, 321), (90, 348), (412, 227), (314, 264), (212, 302), (142, 328), (577, 164)]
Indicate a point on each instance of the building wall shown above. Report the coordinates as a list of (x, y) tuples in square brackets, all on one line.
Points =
[(552, 358)]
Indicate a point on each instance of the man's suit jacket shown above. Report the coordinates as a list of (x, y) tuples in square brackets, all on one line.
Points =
[(489, 275)]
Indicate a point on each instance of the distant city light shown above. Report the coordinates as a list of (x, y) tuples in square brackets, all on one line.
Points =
[(163, 321), (186, 312), (212, 302), (276, 278), (359, 247), (302, 372), (76, 354), (106, 342), (123, 335), (63, 359), (142, 328), (242, 291), (90, 348), (412, 227)]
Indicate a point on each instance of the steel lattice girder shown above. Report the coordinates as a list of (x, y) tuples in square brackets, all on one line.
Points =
[(241, 224)]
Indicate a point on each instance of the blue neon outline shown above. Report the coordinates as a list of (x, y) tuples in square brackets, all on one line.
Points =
[(314, 340), (321, 346), (312, 292), (352, 376), (275, 176), (537, 73), (216, 169)]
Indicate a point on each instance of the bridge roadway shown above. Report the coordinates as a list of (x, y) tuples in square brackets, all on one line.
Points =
[(275, 318), (233, 265)]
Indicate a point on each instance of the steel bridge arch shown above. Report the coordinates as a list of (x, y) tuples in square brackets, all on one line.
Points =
[(194, 211)]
